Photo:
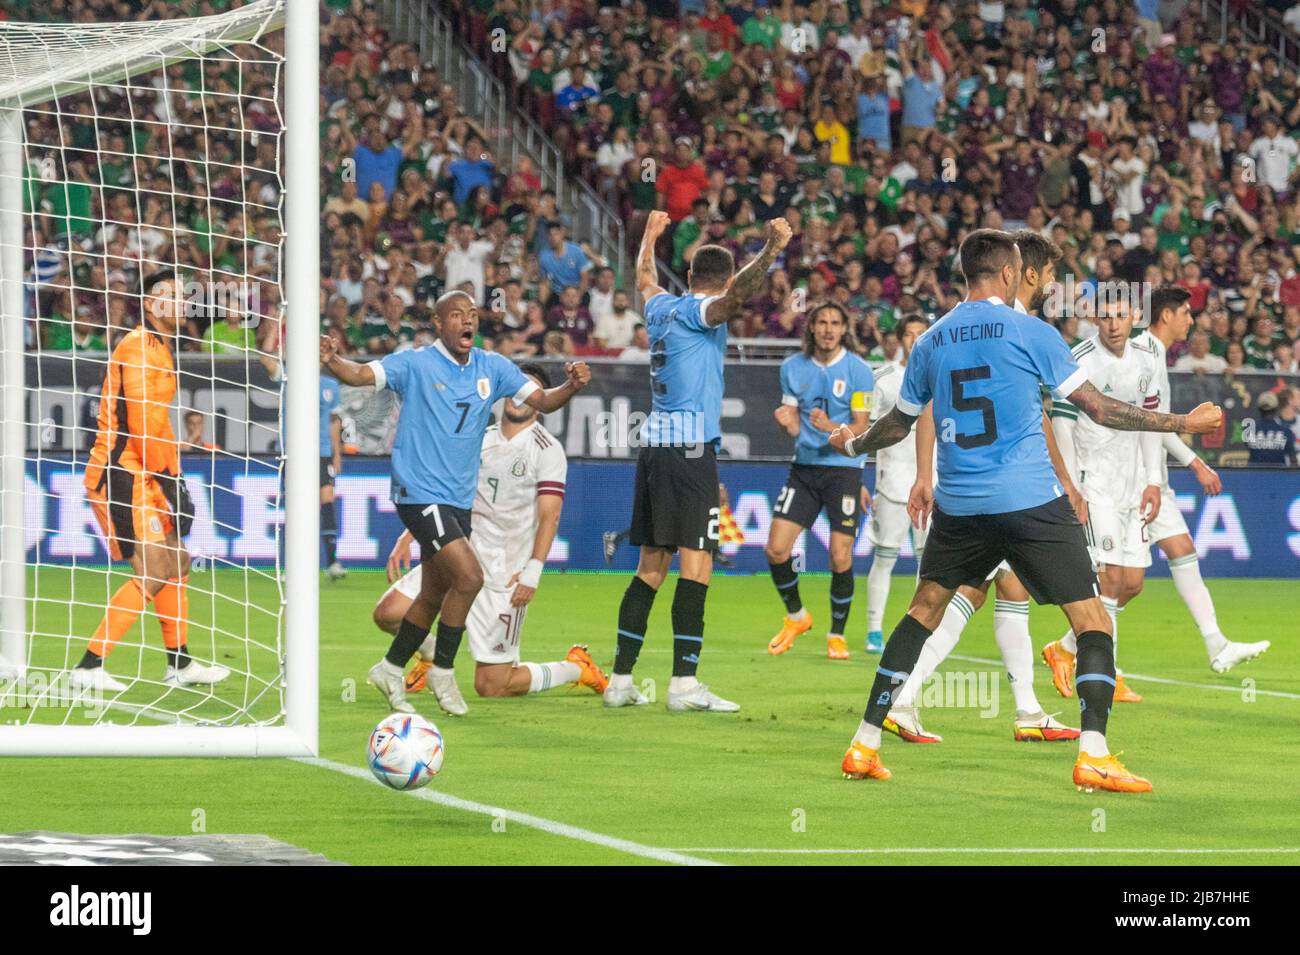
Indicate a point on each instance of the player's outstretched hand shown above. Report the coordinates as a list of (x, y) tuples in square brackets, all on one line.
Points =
[(920, 503), (778, 233), (1208, 477), (839, 439), (328, 348), (1204, 418), (578, 373), (1149, 505), (657, 223)]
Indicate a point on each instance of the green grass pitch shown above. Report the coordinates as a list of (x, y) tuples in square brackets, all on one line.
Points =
[(763, 786)]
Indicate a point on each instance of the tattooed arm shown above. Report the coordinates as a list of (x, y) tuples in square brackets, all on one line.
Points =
[(750, 279), (889, 429), (647, 273), (1121, 416)]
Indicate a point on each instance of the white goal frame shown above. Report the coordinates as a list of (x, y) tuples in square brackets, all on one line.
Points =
[(297, 735)]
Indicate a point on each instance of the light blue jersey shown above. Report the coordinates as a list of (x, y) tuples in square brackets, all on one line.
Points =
[(982, 364), (686, 358), (839, 389), (446, 407), (329, 407)]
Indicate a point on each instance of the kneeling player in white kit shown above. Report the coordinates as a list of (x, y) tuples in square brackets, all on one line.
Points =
[(516, 514), (1171, 320), (1119, 473)]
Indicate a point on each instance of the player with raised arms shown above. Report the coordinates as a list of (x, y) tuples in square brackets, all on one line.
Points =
[(998, 497), (1123, 545), (823, 386), (1038, 258), (137, 493), (675, 506), (516, 514), (447, 390)]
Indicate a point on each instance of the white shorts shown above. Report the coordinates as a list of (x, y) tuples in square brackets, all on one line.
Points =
[(1117, 537), (889, 525), (998, 571), (1169, 522), (493, 626)]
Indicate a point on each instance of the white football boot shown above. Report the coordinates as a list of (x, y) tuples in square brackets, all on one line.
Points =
[(700, 698), (336, 571), (623, 695), (447, 693), (1234, 653), (392, 686), (95, 678), (195, 673), (905, 722)]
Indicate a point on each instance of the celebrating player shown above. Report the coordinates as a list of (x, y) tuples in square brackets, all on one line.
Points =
[(676, 498), (447, 391), (822, 387), (138, 495), (331, 462), (516, 513), (998, 497), (1038, 258), (1171, 319), (895, 472)]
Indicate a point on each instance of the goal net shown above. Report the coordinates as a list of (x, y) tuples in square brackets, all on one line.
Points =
[(133, 154)]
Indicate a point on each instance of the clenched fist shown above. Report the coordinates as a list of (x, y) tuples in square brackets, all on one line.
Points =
[(1204, 418), (328, 349), (840, 438), (578, 374), (778, 233), (657, 223)]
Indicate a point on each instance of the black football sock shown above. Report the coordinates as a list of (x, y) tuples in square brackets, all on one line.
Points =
[(180, 657), (633, 613), (446, 644), (902, 650), (787, 585), (688, 625), (1095, 680), (329, 533), (90, 661), (408, 640), (841, 600)]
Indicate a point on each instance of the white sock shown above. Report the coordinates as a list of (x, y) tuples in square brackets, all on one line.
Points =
[(936, 648), (1114, 610), (803, 612), (878, 578), (439, 671), (1011, 630), (426, 648), (1186, 572), (1068, 643), (867, 735), (1093, 743), (682, 684), (389, 668), (620, 681), (547, 676)]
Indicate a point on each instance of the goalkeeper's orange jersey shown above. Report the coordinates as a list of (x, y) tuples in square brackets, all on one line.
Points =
[(135, 429)]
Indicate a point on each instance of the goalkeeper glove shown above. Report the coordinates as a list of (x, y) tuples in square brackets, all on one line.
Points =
[(178, 498)]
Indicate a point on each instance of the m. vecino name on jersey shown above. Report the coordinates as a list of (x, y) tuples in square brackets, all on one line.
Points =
[(969, 333)]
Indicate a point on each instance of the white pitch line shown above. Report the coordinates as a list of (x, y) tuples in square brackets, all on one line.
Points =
[(561, 829), (1280, 694), (965, 850)]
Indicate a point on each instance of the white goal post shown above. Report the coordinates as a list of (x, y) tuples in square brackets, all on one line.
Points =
[(40, 64)]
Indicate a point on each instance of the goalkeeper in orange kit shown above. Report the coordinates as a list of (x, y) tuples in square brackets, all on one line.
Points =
[(136, 490)]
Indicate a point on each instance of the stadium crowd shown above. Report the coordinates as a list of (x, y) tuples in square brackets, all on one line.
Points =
[(1147, 151)]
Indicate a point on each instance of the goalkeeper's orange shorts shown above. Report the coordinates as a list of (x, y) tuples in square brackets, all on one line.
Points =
[(130, 508)]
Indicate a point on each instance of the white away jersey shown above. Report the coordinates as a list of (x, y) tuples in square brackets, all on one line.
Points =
[(1110, 462), (513, 474), (896, 464)]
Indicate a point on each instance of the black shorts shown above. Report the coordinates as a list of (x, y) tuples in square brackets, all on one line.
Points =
[(811, 488), (675, 503), (434, 526), (1045, 546), (327, 472)]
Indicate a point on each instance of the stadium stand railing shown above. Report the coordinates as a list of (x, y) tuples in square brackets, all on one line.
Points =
[(1260, 24)]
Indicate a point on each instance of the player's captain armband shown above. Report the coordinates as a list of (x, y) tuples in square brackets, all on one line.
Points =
[(860, 401)]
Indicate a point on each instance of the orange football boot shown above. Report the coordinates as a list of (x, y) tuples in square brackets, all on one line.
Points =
[(790, 631), (1123, 692), (861, 762), (591, 675), (1107, 772), (418, 676), (836, 648), (1042, 729), (1061, 663)]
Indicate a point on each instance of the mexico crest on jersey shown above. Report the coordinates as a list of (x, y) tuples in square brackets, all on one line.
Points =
[(484, 388), (839, 387), (518, 468)]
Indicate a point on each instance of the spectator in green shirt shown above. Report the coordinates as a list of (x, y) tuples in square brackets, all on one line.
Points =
[(229, 336), (1259, 346), (762, 28)]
